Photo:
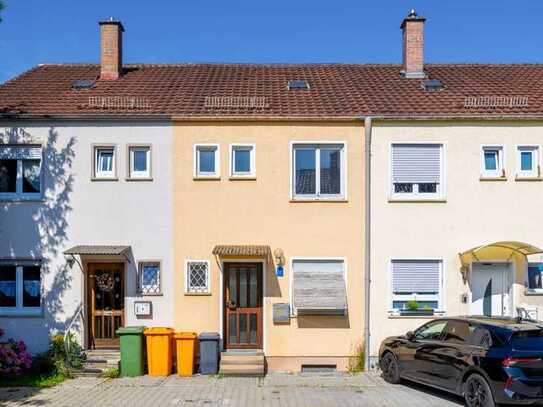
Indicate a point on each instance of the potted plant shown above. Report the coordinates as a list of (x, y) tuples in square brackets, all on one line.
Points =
[(413, 308)]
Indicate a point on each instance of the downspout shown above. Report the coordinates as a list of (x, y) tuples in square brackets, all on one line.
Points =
[(367, 241)]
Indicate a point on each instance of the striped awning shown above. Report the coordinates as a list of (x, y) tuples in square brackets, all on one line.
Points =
[(98, 250), (242, 250)]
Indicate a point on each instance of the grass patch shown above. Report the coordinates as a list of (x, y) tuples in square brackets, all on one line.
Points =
[(32, 379)]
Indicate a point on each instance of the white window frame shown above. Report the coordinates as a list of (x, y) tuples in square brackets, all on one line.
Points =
[(188, 291), (132, 173), (342, 145), (141, 265), (196, 160), (293, 311), (534, 149), (251, 147), (104, 175), (500, 170), (415, 195), (440, 311), (19, 195), (528, 288), (19, 309)]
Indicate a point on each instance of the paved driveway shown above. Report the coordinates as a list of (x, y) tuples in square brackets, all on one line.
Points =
[(275, 390)]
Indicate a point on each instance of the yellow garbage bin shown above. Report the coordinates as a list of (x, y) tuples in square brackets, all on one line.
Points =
[(185, 346), (159, 351)]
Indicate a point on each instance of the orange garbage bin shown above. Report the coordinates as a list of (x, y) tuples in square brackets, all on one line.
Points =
[(185, 346), (159, 351)]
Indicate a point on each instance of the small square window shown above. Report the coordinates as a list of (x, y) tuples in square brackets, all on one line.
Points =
[(535, 276), (104, 162), (528, 161), (197, 277), (149, 281), (206, 161), (139, 161), (492, 165), (242, 159)]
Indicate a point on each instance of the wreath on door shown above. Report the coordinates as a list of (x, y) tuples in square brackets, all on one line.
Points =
[(105, 282)]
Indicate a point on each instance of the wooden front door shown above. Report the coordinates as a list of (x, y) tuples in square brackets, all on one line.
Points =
[(243, 305), (106, 303)]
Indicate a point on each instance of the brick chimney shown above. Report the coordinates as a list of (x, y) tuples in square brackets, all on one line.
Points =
[(111, 49), (413, 46)]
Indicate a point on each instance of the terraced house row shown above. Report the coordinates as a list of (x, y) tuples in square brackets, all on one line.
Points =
[(302, 211)]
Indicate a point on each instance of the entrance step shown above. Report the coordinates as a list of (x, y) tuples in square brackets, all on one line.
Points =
[(242, 364), (99, 361)]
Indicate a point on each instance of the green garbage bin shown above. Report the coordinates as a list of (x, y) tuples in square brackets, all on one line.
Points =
[(131, 338)]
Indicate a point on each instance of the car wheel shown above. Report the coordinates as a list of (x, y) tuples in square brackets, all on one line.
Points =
[(477, 392), (390, 368)]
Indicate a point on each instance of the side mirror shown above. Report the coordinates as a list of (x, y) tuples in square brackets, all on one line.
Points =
[(410, 335)]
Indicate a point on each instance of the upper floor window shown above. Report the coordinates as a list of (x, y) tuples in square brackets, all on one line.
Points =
[(206, 161), (492, 165), (319, 171), (139, 165), (20, 287), (242, 160), (105, 165), (417, 170), (20, 172), (528, 162)]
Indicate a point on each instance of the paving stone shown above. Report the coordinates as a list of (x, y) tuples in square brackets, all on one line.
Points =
[(367, 389)]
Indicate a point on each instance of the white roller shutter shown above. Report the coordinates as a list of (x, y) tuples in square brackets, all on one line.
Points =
[(10, 152), (416, 163), (421, 276)]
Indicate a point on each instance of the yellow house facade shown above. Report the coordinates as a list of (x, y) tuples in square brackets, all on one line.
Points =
[(251, 236)]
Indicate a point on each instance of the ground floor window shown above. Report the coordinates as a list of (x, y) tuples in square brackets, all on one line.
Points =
[(20, 287), (416, 285), (197, 277), (149, 277), (535, 276)]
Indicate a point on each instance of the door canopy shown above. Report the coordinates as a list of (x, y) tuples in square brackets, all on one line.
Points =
[(504, 250)]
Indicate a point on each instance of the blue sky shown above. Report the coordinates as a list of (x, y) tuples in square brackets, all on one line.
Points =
[(38, 31)]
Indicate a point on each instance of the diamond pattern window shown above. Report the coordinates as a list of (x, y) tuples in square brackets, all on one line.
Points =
[(150, 278), (197, 277)]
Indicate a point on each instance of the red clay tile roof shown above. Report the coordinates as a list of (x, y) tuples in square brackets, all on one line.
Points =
[(337, 90)]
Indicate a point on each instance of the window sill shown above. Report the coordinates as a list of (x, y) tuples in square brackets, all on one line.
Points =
[(484, 178), (525, 179), (242, 178), (210, 178), (397, 315), (198, 294), (139, 179), (104, 179), (151, 295), (306, 200), (22, 200), (417, 200), (21, 313), (533, 292)]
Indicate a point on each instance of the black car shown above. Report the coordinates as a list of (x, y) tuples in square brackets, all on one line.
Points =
[(485, 360)]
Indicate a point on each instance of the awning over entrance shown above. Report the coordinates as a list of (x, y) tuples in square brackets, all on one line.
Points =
[(242, 250), (97, 250), (503, 250)]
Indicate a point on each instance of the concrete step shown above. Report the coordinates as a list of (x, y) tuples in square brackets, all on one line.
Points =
[(242, 363), (101, 366)]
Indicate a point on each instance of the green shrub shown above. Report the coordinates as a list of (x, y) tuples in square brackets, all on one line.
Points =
[(112, 373), (65, 354), (412, 305), (357, 358)]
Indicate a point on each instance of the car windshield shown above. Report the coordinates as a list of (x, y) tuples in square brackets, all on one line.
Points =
[(528, 340)]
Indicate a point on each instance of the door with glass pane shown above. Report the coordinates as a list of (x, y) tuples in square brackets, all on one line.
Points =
[(243, 305), (106, 303)]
